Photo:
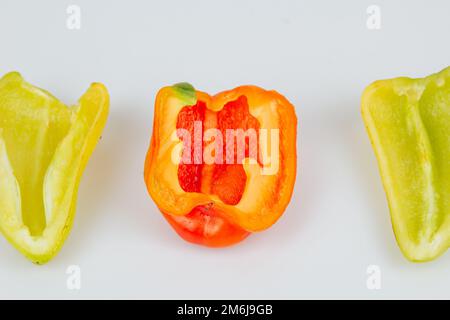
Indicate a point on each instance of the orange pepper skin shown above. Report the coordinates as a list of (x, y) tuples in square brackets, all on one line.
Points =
[(231, 201)]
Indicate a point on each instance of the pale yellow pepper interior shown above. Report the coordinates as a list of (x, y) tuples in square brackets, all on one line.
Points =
[(44, 146)]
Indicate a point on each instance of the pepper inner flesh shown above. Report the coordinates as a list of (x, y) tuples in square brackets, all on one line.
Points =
[(31, 134), (226, 180)]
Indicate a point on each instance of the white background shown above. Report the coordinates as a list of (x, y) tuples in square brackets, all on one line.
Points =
[(319, 54)]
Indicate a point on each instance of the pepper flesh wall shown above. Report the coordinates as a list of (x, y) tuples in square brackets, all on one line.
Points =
[(221, 190), (44, 148), (408, 121)]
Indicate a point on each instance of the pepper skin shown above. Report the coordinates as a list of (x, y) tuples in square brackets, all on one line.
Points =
[(220, 204), (408, 121), (44, 148)]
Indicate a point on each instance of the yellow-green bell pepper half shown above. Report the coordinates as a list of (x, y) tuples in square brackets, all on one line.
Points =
[(408, 121), (44, 148)]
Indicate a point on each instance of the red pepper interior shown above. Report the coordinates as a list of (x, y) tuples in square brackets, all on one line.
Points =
[(227, 181)]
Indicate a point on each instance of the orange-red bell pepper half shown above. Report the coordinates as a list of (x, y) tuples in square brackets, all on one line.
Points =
[(221, 167)]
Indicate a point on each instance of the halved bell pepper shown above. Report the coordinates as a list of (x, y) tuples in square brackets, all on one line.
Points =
[(44, 147), (408, 121), (219, 202)]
